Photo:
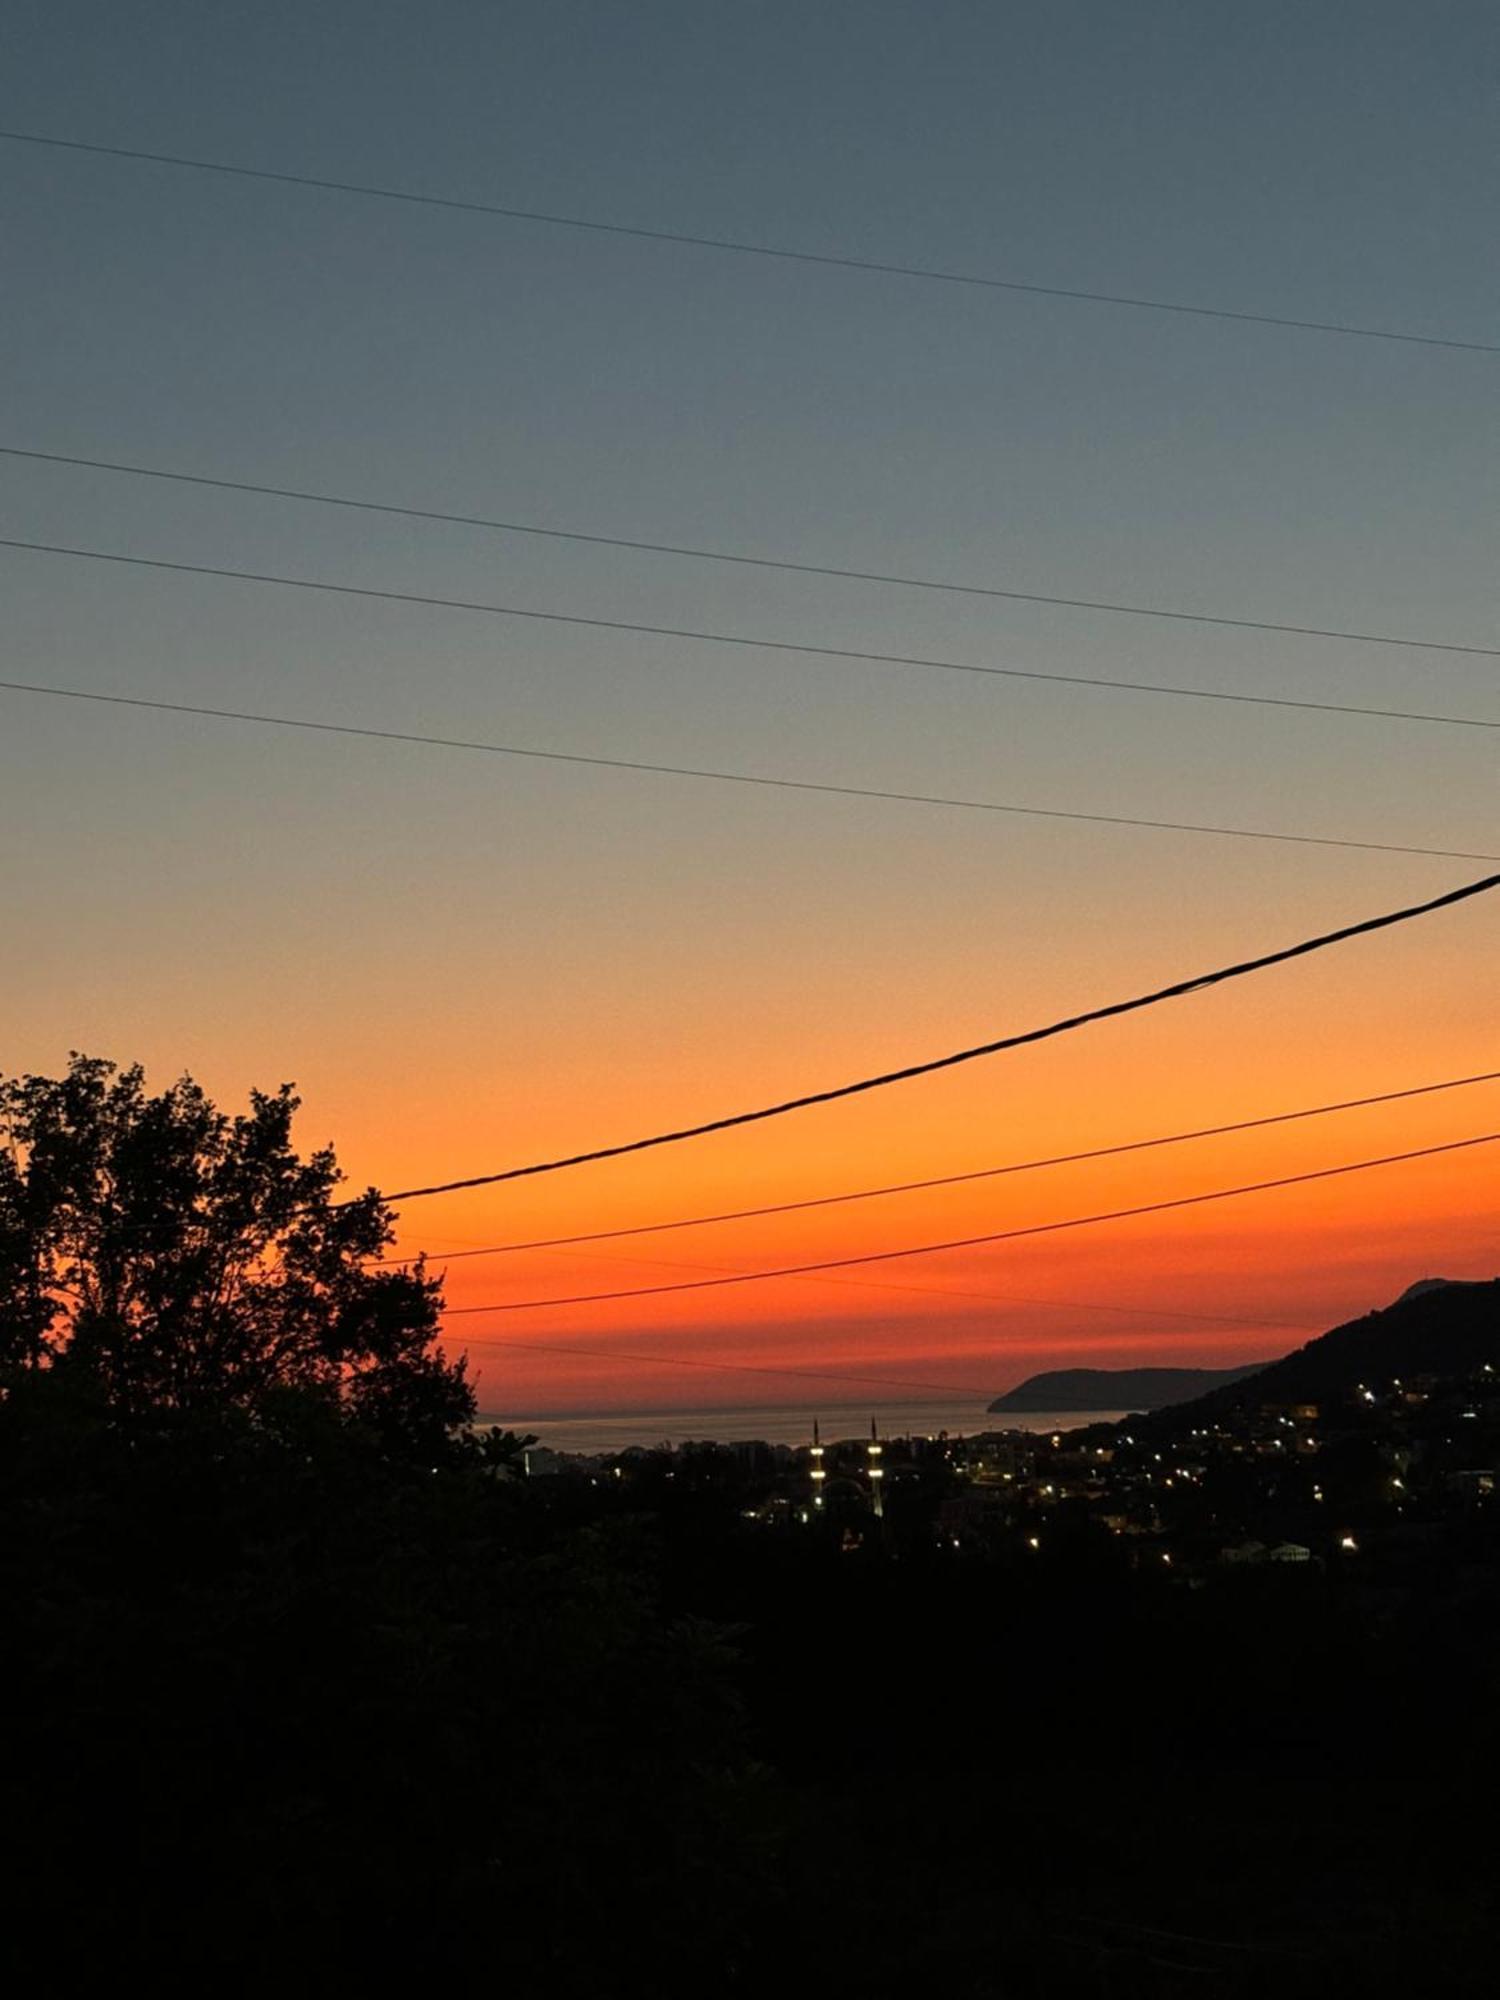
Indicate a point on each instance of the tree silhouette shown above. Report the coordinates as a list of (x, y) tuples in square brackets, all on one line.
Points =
[(183, 1260)]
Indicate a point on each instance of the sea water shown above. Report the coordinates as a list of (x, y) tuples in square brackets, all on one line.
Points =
[(591, 1432)]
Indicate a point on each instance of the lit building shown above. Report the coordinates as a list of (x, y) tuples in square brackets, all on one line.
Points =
[(877, 1473), (819, 1475)]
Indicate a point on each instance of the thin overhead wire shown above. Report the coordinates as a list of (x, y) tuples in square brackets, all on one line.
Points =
[(958, 1180), (974, 1242), (963, 1295), (781, 564), (1179, 989), (753, 778), (874, 266), (784, 646)]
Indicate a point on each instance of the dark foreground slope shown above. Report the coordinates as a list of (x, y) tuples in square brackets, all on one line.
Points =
[(1440, 1330), (288, 1718)]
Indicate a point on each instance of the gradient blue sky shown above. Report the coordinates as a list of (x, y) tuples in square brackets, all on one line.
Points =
[(463, 960)]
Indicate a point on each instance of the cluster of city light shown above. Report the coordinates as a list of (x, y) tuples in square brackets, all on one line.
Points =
[(1154, 1467)]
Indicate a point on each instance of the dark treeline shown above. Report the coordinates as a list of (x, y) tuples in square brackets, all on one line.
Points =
[(286, 1710), (309, 1688)]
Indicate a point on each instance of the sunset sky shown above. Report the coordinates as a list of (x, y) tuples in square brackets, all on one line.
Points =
[(467, 962)]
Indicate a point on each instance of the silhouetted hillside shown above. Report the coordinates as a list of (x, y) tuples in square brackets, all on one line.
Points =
[(1117, 1388), (1438, 1327)]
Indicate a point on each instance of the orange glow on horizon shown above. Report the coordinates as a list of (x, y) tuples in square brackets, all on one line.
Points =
[(1236, 1280)]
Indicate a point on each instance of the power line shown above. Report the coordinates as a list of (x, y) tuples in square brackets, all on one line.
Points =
[(759, 645), (879, 267), (973, 1242), (934, 1292), (780, 564), (763, 779), (964, 1295), (1177, 990), (956, 1180)]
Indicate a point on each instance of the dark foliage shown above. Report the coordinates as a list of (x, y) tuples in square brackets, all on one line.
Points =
[(186, 1260), (301, 1693), (287, 1716)]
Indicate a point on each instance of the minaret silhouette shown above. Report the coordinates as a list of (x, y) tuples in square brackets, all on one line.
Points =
[(818, 1474), (877, 1473)]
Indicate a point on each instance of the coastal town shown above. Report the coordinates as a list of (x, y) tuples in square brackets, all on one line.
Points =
[(1367, 1476)]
